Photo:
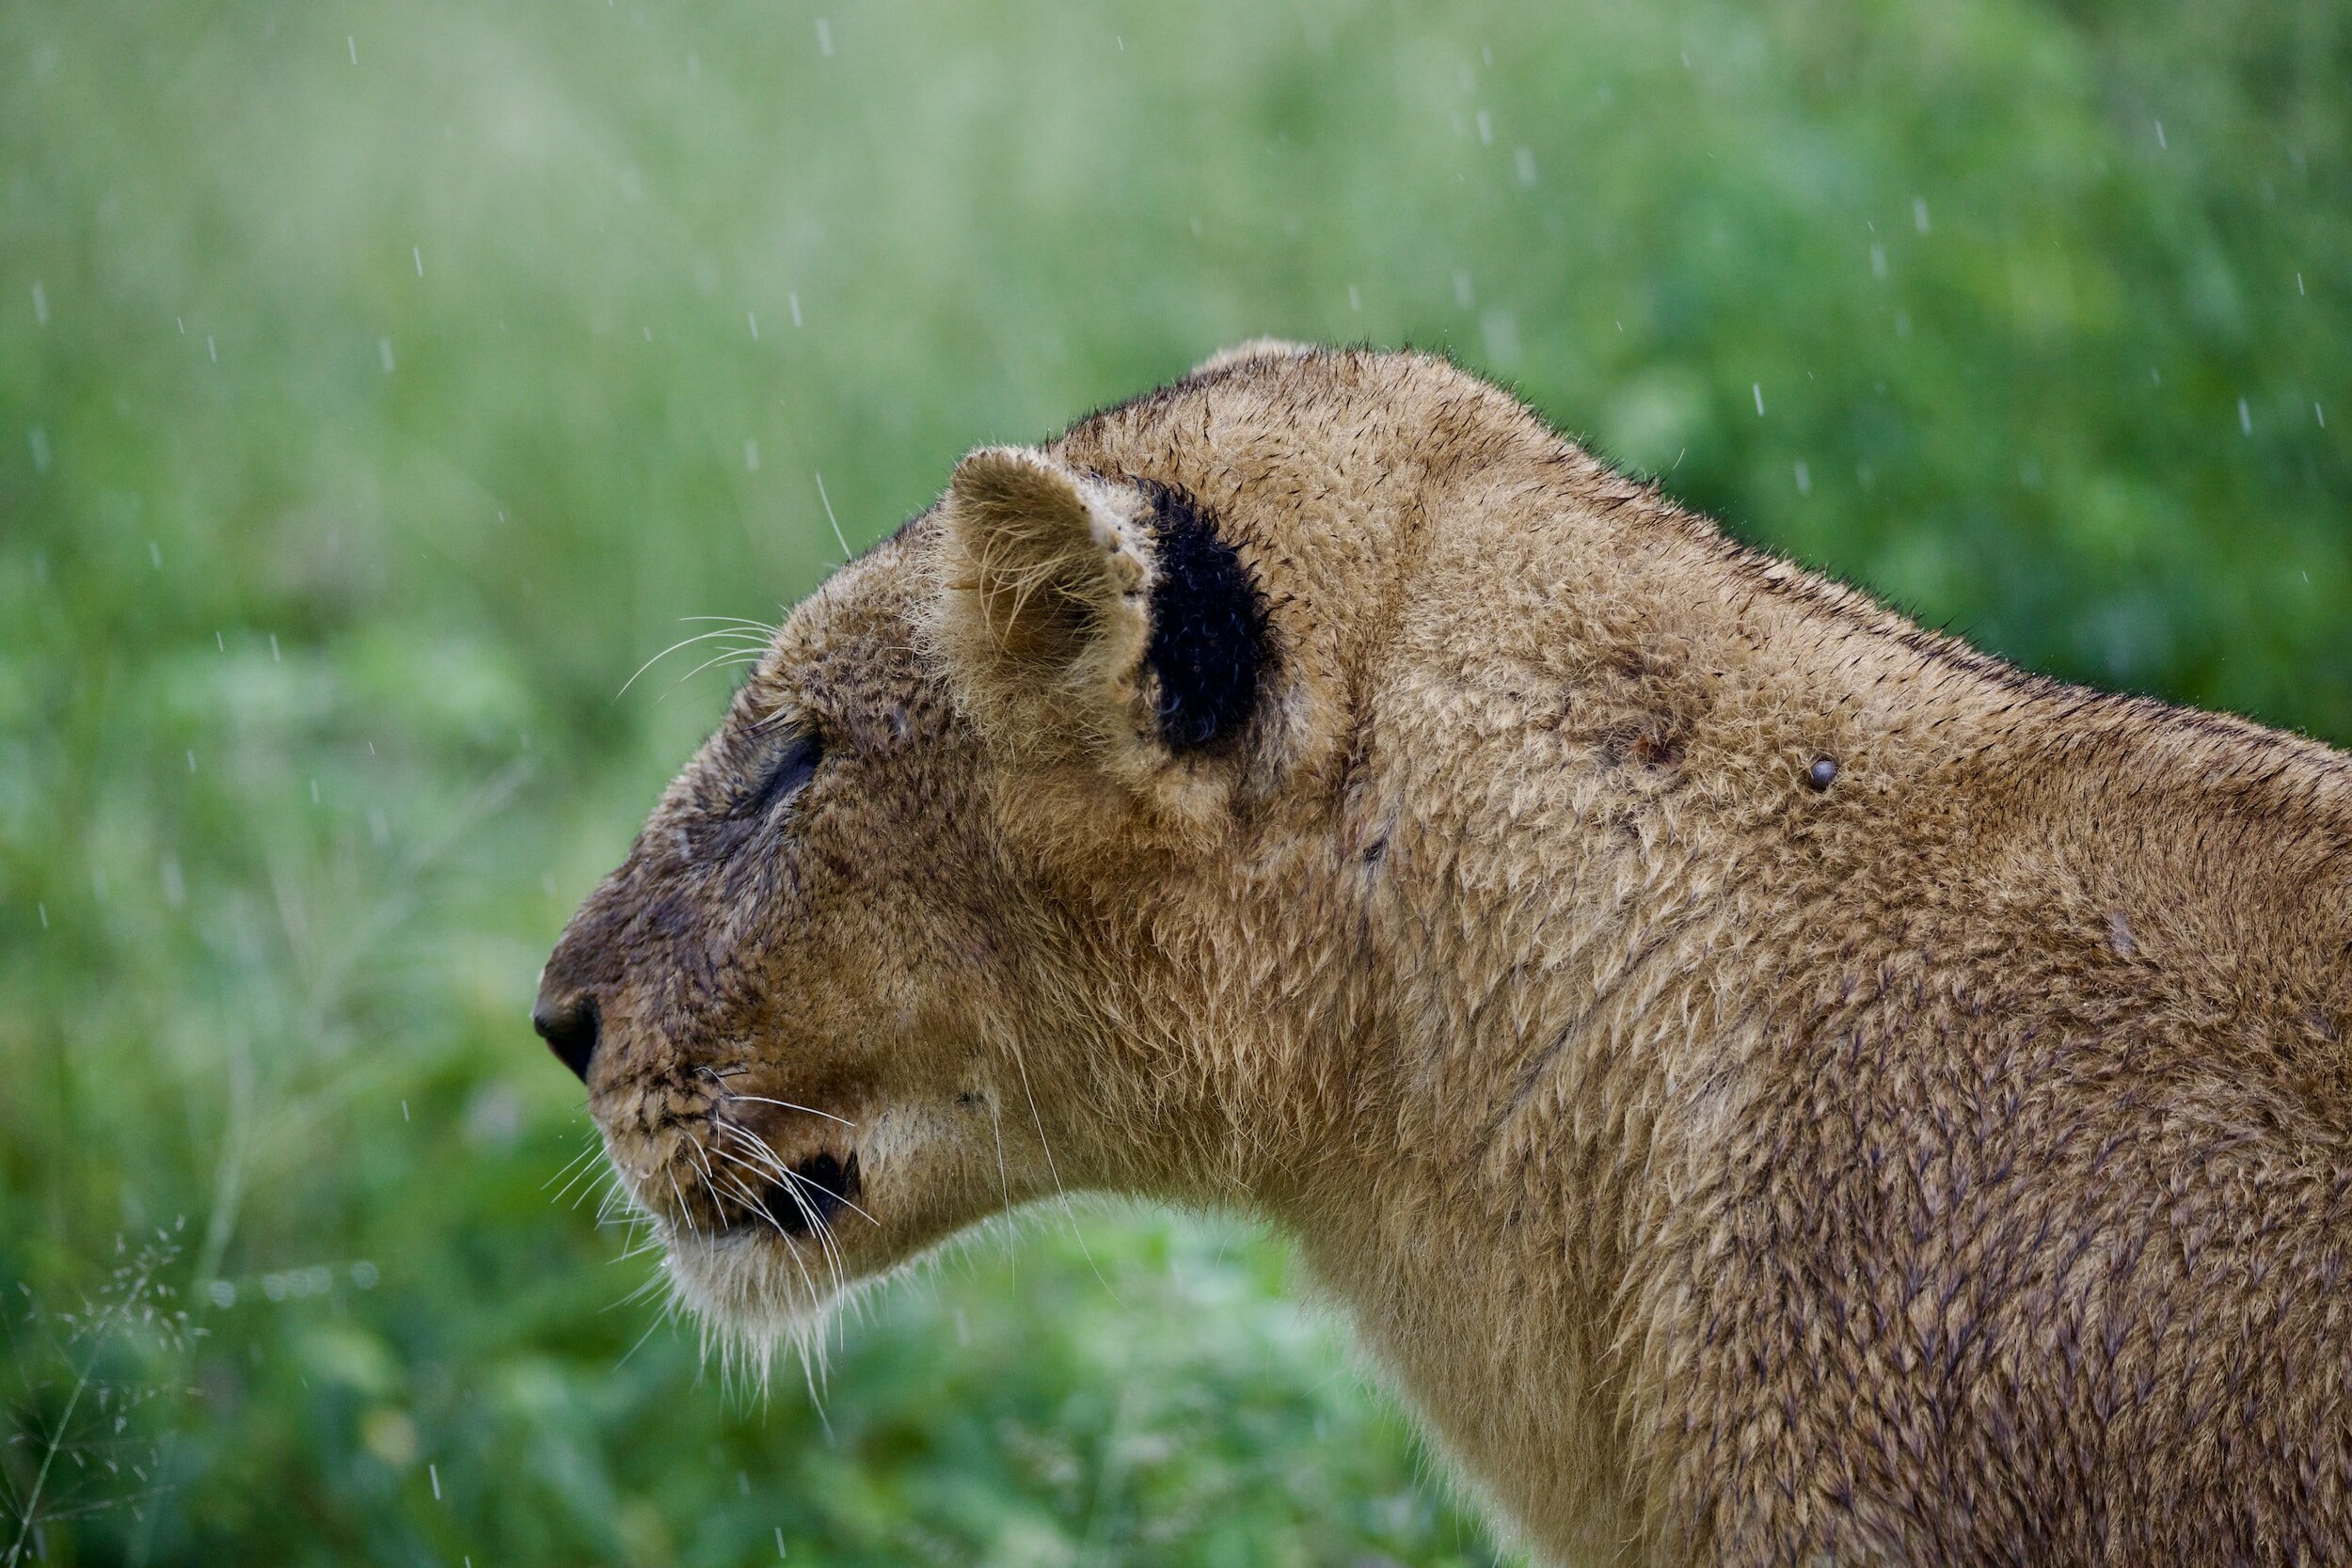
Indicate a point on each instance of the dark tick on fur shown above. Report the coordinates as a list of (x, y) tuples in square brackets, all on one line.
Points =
[(1823, 774)]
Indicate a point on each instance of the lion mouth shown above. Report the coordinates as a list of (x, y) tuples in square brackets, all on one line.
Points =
[(808, 1197)]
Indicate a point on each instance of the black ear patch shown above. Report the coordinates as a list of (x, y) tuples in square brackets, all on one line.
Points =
[(1210, 641)]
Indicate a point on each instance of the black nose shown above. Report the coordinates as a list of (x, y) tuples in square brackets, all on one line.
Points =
[(569, 1027)]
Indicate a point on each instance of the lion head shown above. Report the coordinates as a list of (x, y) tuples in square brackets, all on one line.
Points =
[(1016, 863)]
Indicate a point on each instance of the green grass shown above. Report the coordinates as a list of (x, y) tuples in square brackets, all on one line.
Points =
[(379, 386)]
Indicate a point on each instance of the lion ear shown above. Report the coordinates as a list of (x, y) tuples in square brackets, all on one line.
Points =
[(1084, 618)]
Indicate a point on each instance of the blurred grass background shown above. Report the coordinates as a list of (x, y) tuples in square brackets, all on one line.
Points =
[(380, 385)]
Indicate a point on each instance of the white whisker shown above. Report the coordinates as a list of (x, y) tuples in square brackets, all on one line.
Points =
[(837, 535), (687, 642), (641, 1341), (1062, 1193), (754, 1203), (738, 623), (790, 1106), (722, 658), (686, 1212), (796, 1176), (767, 1163)]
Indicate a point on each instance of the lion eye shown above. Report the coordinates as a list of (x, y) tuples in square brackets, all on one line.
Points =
[(793, 768)]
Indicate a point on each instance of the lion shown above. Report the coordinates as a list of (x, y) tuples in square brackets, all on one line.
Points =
[(1767, 1082)]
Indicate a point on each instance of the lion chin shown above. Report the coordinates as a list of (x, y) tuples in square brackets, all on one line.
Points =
[(752, 1294)]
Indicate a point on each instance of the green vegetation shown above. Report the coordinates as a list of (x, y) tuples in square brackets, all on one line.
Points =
[(380, 384)]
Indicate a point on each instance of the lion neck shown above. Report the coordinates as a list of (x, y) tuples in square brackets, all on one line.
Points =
[(1557, 887)]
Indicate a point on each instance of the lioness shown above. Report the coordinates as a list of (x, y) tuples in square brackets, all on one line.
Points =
[(1771, 1084)]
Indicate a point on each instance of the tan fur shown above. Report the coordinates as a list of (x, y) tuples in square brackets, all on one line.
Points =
[(1947, 1165)]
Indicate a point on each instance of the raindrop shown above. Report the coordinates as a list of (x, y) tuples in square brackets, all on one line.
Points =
[(273, 658), (314, 792), (1486, 129), (1805, 479), (417, 251), (2298, 284), (211, 348), (363, 1274), (2245, 417), (43, 909), (352, 39), (155, 554), (2160, 141), (1758, 387), (435, 1472), (404, 1110), (191, 762), (752, 318), (1919, 214), (1499, 331), (384, 351), (2321, 415), (1355, 297), (824, 38), (175, 884), (1464, 295), (40, 307), (1878, 260), (219, 642), (779, 1541), (1524, 161), (1903, 324), (794, 301), (40, 439), (223, 1294), (751, 456)]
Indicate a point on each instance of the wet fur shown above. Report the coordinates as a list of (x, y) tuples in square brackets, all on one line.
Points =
[(1943, 1161)]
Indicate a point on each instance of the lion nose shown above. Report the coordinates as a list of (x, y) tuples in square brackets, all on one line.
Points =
[(568, 1024)]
